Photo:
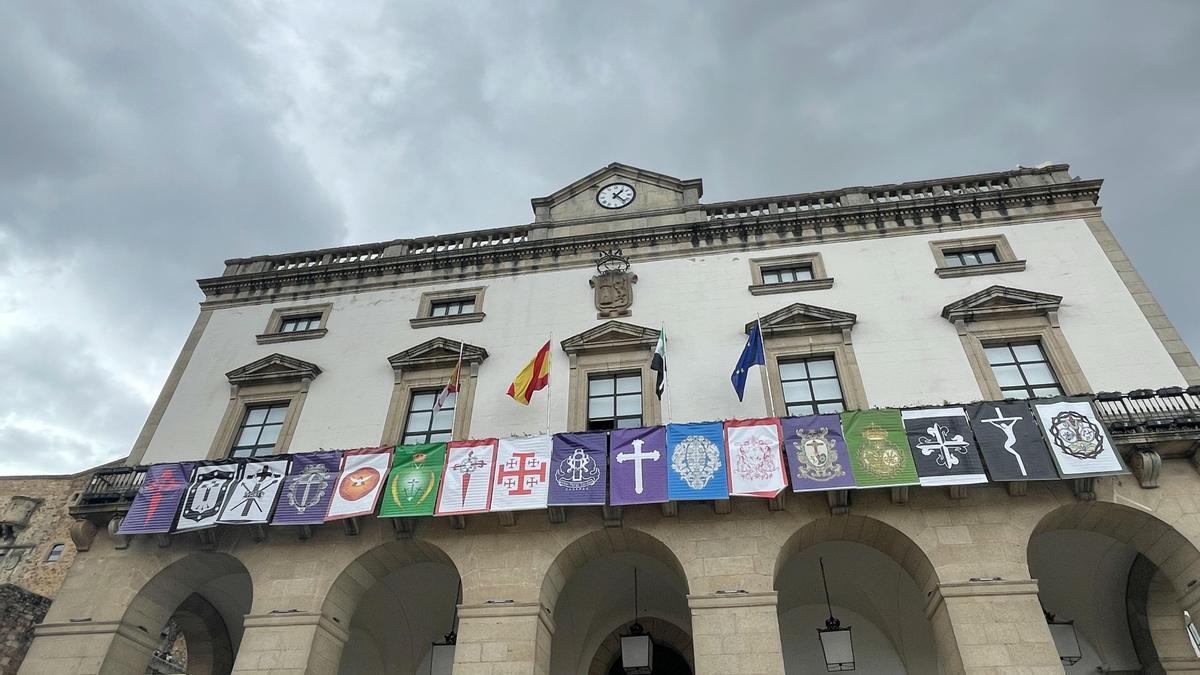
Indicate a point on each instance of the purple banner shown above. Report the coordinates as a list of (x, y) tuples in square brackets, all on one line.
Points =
[(816, 452), (577, 464), (153, 509), (308, 488), (638, 464)]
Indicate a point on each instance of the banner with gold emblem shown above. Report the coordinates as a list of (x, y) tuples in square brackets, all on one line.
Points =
[(412, 486), (878, 448)]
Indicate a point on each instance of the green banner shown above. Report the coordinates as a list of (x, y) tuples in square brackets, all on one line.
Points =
[(878, 448), (412, 485)]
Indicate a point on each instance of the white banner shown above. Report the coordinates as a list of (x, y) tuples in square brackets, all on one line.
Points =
[(522, 474), (205, 496), (1078, 442), (754, 455), (252, 497), (360, 483), (467, 478)]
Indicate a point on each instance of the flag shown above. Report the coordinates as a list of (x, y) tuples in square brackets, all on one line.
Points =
[(308, 488), (658, 363), (697, 461), (360, 483), (943, 446), (467, 480), (753, 354), (522, 473), (252, 497), (816, 452), (206, 495), (412, 487), (754, 457), (451, 384), (577, 465), (637, 463), (534, 376), (878, 449), (1078, 442), (1010, 441), (157, 501)]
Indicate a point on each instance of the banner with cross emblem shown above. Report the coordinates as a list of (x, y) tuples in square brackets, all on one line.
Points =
[(466, 485), (943, 447), (638, 464), (522, 478), (252, 497), (307, 489), (816, 452), (157, 501), (577, 464), (412, 486)]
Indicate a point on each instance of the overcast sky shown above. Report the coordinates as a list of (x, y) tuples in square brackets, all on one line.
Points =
[(141, 144)]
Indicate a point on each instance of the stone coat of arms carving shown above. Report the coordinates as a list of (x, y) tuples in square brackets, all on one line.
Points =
[(613, 285)]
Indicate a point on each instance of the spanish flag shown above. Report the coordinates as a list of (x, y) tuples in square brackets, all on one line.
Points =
[(532, 377)]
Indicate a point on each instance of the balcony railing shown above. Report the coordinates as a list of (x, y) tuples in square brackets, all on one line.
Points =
[(109, 491), (1148, 411)]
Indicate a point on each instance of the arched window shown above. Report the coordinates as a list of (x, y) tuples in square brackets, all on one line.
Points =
[(56, 552)]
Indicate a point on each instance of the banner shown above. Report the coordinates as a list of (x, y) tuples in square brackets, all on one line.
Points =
[(697, 461), (1010, 441), (412, 487), (360, 483), (577, 467), (522, 474), (637, 464), (252, 496), (942, 447), (754, 456), (878, 449), (1078, 442), (816, 453), (307, 489), (206, 495), (157, 501), (467, 479)]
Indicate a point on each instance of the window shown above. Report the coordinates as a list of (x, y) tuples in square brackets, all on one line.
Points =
[(787, 275), (452, 307), (56, 552), (259, 430), (300, 323), (1022, 370), (448, 307), (811, 386), (287, 324), (974, 256), (421, 425), (614, 401), (969, 258)]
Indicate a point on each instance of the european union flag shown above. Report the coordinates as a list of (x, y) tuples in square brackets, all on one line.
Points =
[(752, 355)]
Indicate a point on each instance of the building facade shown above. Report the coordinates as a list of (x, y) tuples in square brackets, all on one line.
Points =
[(1005, 285)]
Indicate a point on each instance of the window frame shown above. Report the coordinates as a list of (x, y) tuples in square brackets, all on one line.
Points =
[(814, 403), (427, 367), (413, 394), (1006, 260), (248, 409), (430, 299), (760, 267), (1006, 392), (58, 548), (259, 383), (612, 347), (616, 417), (274, 332)]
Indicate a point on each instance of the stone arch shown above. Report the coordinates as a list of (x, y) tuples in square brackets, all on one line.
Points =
[(602, 542), (371, 568), (664, 632)]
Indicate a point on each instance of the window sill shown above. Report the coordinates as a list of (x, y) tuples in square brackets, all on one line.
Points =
[(271, 338), (791, 286), (428, 321), (977, 270)]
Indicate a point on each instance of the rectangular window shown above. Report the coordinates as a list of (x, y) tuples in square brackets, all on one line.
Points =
[(614, 401), (452, 307), (811, 386), (421, 425), (1022, 370), (293, 324), (259, 430), (970, 258), (787, 275)]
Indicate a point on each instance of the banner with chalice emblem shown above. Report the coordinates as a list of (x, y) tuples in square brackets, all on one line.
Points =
[(878, 448), (412, 485)]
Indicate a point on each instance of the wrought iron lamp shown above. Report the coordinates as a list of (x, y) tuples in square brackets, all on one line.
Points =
[(637, 649), (1066, 639), (835, 640)]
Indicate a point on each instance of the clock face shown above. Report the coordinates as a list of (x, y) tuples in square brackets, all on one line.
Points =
[(615, 196)]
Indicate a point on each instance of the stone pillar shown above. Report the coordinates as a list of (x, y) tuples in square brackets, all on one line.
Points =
[(503, 639), (89, 648), (296, 643), (992, 627), (1164, 609), (736, 634)]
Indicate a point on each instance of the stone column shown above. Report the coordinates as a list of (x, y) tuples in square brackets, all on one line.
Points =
[(736, 634), (296, 643), (89, 648), (503, 639), (1164, 609), (992, 627)]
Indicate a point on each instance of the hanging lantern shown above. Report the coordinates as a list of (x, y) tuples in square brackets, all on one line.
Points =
[(1066, 640), (637, 651), (836, 642)]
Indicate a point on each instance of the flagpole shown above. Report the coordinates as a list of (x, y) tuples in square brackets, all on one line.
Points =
[(457, 367), (766, 367), (666, 375), (549, 378)]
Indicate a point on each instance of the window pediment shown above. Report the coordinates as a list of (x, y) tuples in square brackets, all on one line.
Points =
[(271, 369), (1001, 302), (439, 352), (611, 336), (802, 319)]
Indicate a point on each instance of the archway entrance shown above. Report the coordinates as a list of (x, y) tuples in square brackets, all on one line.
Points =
[(670, 645)]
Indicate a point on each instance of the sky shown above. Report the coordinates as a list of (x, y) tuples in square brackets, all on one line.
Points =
[(143, 143)]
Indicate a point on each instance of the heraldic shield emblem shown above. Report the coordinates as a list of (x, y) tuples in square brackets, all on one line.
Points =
[(613, 285), (879, 457), (207, 494), (696, 459), (817, 455), (309, 490), (1076, 435)]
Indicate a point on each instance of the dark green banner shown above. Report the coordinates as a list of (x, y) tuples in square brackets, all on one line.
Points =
[(412, 485), (878, 448)]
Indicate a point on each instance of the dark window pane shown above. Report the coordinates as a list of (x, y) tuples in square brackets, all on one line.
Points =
[(248, 436), (1047, 391), (953, 260), (799, 409), (1008, 376)]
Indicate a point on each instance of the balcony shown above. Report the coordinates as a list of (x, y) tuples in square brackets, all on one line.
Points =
[(1165, 420), (109, 492)]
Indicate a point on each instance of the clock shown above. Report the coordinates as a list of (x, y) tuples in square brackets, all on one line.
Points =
[(615, 195)]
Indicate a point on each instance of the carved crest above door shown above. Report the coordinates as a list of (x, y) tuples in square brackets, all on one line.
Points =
[(613, 285)]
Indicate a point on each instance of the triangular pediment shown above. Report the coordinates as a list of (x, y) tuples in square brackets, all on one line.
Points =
[(802, 319), (611, 336), (436, 353), (273, 368), (997, 302), (654, 191)]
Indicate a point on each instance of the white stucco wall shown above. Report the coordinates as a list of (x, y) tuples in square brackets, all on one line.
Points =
[(907, 353)]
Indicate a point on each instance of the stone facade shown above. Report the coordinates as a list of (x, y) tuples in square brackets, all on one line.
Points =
[(20, 611)]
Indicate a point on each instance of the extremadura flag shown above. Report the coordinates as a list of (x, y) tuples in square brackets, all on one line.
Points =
[(412, 485)]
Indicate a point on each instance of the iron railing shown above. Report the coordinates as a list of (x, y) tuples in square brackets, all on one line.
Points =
[(112, 486), (1150, 410)]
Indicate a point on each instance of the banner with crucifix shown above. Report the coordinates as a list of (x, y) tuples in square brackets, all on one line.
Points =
[(157, 501), (754, 455), (816, 453), (308, 488), (637, 466), (412, 486), (878, 448), (467, 479), (1011, 443), (360, 483), (577, 464), (522, 479), (206, 495), (252, 496), (943, 447), (697, 461), (1078, 442)]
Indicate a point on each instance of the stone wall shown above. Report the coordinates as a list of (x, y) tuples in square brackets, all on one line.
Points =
[(20, 611), (24, 563)]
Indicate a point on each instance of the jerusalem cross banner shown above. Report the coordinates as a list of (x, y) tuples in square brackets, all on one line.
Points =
[(252, 496), (1078, 442), (577, 466), (878, 448), (943, 447), (637, 464), (522, 480), (412, 487), (754, 457), (467, 480), (816, 453), (1011, 443), (360, 483), (206, 496), (157, 501), (308, 488), (697, 461)]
